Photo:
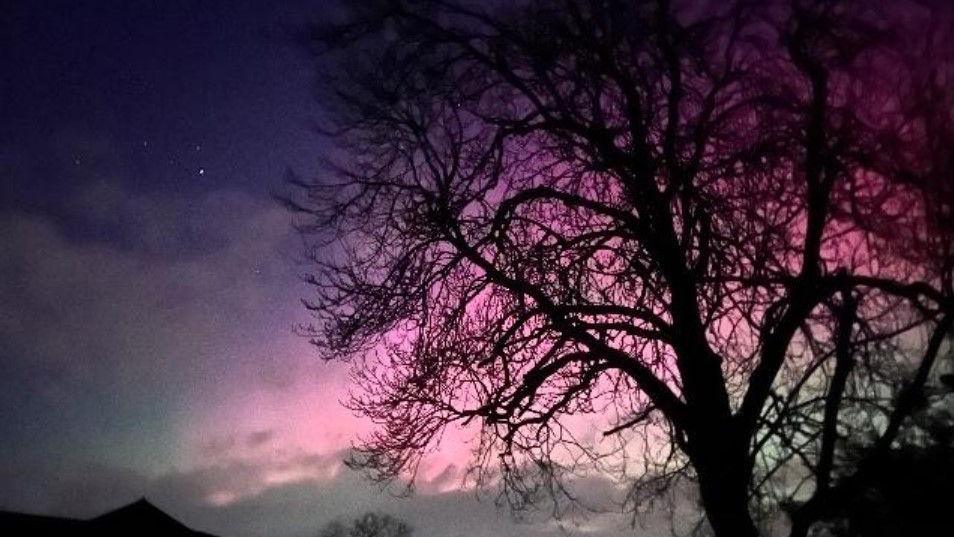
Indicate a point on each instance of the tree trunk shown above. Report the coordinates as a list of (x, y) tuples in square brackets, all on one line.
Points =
[(727, 508), (723, 485), (800, 527)]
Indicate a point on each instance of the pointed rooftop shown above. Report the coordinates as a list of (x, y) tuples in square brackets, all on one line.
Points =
[(138, 516)]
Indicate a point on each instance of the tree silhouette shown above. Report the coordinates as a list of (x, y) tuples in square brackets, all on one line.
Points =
[(368, 525), (722, 231)]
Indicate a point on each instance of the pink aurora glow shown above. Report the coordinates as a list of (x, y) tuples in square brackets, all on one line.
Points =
[(295, 430)]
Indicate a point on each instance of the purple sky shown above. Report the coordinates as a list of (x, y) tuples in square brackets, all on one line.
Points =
[(148, 283)]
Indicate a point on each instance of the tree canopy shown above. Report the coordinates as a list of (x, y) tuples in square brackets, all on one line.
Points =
[(720, 230)]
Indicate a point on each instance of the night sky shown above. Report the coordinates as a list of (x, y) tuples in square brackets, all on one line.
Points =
[(149, 283)]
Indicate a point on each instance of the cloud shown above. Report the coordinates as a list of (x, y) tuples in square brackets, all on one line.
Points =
[(134, 344), (299, 507), (115, 307)]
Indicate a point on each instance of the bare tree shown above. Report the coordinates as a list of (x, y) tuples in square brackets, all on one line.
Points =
[(368, 525), (721, 230)]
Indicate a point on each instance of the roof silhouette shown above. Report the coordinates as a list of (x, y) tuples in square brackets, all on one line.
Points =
[(139, 514), (140, 518), (28, 524)]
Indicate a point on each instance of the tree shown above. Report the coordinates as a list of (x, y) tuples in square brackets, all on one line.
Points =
[(722, 230), (911, 496), (368, 525)]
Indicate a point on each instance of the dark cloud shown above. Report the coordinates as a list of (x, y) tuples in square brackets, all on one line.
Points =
[(131, 340)]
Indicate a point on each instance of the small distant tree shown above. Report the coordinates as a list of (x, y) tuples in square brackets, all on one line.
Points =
[(722, 230), (368, 525)]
